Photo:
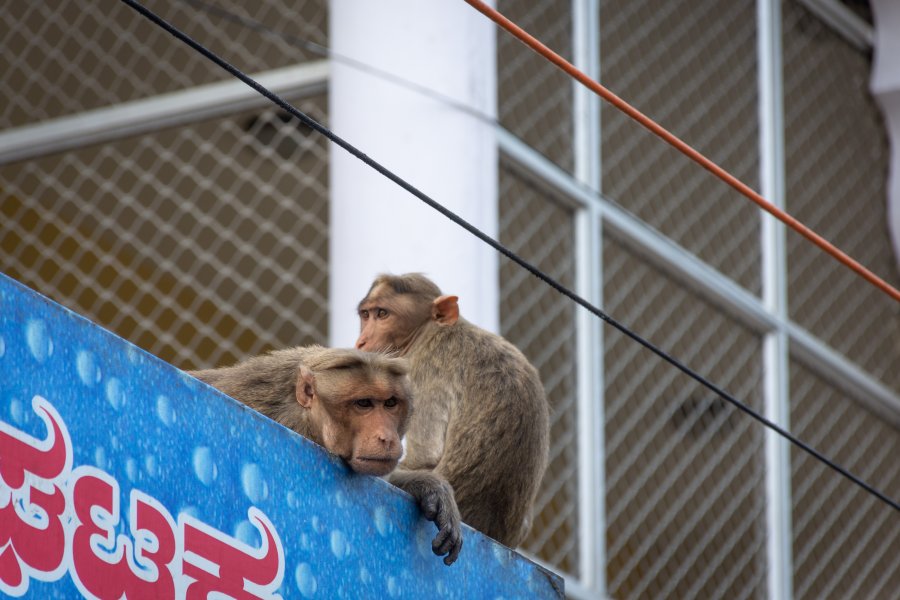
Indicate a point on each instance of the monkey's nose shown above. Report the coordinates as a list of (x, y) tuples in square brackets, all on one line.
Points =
[(360, 343)]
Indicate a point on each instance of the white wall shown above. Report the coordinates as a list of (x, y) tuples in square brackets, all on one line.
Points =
[(376, 226)]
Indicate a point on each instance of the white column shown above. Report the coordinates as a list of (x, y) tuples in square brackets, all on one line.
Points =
[(451, 156), (776, 389), (589, 281), (886, 87)]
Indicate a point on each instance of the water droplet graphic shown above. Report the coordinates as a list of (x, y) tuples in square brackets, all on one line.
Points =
[(306, 581), (151, 465), (339, 546), (115, 394), (317, 524), (100, 459), (204, 467), (16, 411), (132, 353), (38, 338), (365, 576), (393, 587), (164, 410), (382, 522), (131, 469), (88, 370), (255, 487), (247, 533), (2, 346), (190, 511), (502, 555)]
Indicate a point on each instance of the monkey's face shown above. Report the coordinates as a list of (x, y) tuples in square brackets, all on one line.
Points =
[(388, 321), (364, 421), (372, 431)]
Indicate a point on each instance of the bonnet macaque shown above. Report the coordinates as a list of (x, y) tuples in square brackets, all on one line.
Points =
[(481, 422), (354, 404)]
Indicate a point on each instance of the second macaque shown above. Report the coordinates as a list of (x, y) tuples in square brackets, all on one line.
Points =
[(355, 404), (481, 422)]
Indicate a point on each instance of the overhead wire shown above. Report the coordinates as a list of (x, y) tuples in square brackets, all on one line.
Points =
[(382, 74), (547, 279), (657, 129), (337, 57)]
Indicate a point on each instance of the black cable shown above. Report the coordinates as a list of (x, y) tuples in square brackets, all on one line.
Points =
[(327, 52), (309, 121)]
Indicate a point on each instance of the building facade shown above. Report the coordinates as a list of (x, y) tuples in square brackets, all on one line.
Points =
[(144, 188)]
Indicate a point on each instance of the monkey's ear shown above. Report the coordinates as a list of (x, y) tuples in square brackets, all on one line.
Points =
[(445, 310), (306, 387)]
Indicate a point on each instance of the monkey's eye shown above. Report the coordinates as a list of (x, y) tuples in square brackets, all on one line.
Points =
[(381, 313), (391, 403), (363, 403), (363, 314)]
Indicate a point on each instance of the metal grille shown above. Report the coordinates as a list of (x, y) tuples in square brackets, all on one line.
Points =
[(685, 500), (845, 540), (535, 98), (63, 58), (691, 66), (201, 245), (542, 324), (836, 164)]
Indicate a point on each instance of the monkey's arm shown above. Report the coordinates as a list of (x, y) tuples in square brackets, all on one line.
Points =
[(434, 496)]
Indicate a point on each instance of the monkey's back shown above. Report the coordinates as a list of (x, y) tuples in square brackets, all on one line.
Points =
[(497, 431), (265, 383)]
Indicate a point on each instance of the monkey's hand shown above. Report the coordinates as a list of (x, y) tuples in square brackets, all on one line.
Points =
[(434, 496)]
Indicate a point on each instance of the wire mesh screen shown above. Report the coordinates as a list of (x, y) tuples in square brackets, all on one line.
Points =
[(685, 496), (202, 244), (691, 66), (845, 539), (836, 183), (534, 98), (542, 324), (64, 57)]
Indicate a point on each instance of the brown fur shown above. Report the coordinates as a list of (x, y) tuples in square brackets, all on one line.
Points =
[(333, 379), (316, 392), (481, 421)]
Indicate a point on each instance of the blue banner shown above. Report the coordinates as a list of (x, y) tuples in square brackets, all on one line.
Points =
[(120, 474)]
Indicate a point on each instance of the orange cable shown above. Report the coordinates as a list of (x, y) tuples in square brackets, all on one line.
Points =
[(683, 147)]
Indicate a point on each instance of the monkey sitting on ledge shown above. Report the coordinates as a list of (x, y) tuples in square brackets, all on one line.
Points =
[(355, 404), (481, 422)]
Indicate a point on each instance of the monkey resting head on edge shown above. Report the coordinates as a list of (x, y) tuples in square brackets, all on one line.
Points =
[(481, 422), (355, 404)]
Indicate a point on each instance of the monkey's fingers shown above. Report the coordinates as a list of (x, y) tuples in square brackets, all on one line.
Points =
[(438, 506), (430, 505), (448, 541), (449, 537)]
